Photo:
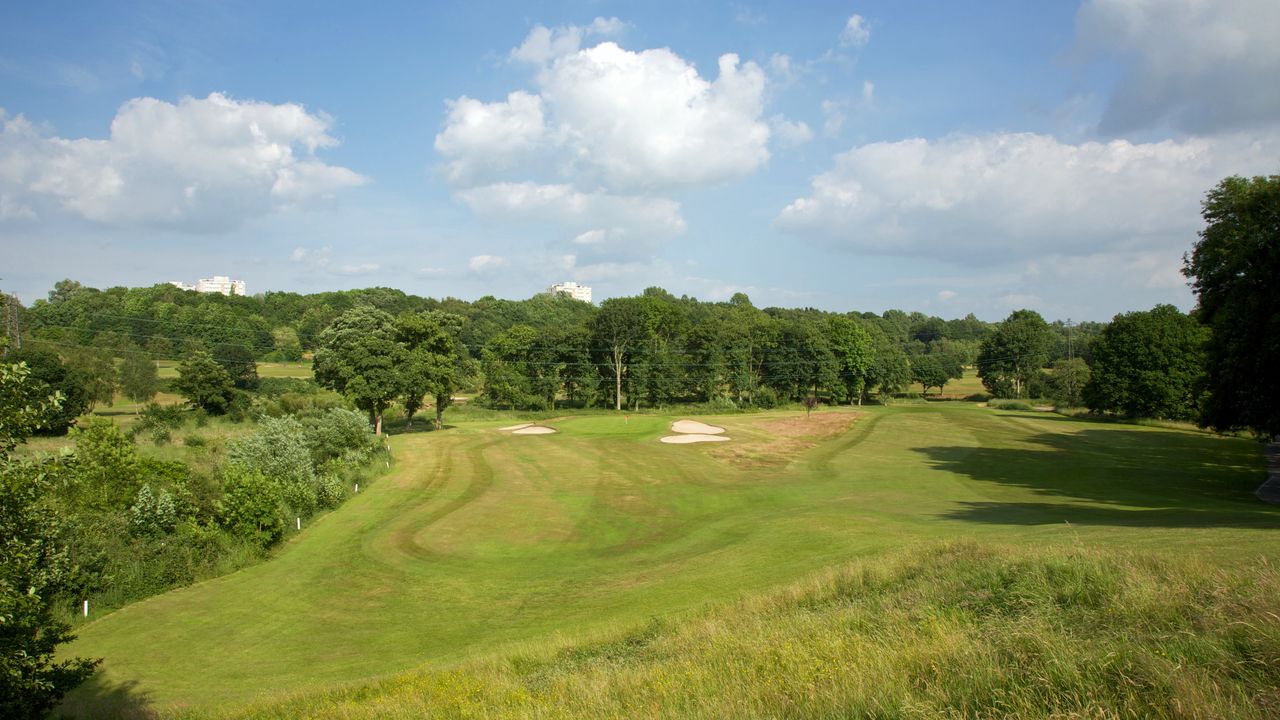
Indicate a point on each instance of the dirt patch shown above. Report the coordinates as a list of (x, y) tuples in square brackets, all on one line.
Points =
[(692, 438), (695, 427), (777, 441), (534, 430)]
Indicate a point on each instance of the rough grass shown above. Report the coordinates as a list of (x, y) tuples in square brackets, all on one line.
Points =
[(481, 546), (948, 630)]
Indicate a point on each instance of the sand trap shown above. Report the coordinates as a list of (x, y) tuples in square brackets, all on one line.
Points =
[(521, 426), (534, 430), (693, 438), (695, 427)]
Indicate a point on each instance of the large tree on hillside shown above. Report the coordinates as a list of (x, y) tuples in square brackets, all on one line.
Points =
[(358, 356), (432, 362), (1235, 272), (854, 352), (138, 377), (1148, 364), (1014, 353)]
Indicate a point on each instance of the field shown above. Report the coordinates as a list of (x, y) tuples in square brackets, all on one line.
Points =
[(480, 544), (167, 369)]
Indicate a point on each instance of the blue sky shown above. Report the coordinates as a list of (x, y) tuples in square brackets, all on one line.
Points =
[(924, 156)]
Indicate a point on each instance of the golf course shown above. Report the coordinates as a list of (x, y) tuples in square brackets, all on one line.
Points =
[(481, 544)]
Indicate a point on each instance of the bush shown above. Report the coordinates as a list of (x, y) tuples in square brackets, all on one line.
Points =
[(764, 398), (330, 491), (334, 433), (279, 452), (194, 441), (1010, 405), (252, 507)]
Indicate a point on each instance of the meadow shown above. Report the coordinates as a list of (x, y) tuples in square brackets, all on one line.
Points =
[(485, 564)]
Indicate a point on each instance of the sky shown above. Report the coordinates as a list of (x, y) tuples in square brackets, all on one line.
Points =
[(934, 156)]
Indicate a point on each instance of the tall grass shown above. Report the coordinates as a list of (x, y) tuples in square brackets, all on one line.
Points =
[(942, 631)]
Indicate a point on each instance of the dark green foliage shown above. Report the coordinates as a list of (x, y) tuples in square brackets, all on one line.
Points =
[(360, 358), (1016, 351), (205, 383), (278, 450), (1148, 364), (36, 568), (50, 375), (1067, 382), (333, 434), (433, 357), (1235, 271), (928, 370), (238, 361)]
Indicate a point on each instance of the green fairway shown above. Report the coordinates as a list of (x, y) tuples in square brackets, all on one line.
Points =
[(479, 540)]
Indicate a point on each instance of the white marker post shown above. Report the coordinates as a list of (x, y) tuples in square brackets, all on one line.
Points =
[(357, 487), (86, 608), (299, 523)]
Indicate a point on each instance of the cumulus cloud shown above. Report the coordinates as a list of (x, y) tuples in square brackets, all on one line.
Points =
[(485, 139), (789, 133), (618, 118), (856, 32), (200, 165), (1007, 196), (1197, 66), (544, 44)]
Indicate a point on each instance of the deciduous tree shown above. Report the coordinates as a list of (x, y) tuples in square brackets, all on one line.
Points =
[(1235, 272)]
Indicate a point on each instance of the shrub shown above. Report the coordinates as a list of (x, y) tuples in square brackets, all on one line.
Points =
[(764, 398), (336, 432), (330, 491), (252, 507), (279, 452)]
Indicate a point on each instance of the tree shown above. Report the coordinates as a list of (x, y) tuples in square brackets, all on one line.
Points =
[(1067, 383), (433, 360), (204, 383), (1235, 272), (50, 375), (928, 370), (359, 357), (1148, 364), (36, 570), (238, 361), (890, 369), (1013, 353), (138, 380), (854, 353), (618, 328), (94, 370)]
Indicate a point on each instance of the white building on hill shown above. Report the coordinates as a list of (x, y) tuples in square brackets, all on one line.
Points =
[(216, 284), (572, 289)]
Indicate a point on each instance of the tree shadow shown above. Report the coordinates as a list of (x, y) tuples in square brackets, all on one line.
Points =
[(1154, 479), (99, 697)]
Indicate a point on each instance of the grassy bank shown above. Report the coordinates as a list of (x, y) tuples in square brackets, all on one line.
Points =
[(480, 544), (950, 630)]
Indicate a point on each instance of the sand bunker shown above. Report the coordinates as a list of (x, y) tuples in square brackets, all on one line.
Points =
[(693, 438), (534, 430), (695, 427), (521, 426)]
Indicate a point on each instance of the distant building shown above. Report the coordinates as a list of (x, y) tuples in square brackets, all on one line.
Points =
[(216, 284), (572, 289)]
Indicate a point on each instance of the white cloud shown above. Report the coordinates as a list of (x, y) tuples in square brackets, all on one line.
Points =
[(12, 209), (485, 263), (600, 224), (947, 295), (624, 119), (200, 165), (789, 133), (484, 139), (856, 32), (834, 117), (868, 92), (1198, 66), (1000, 197), (544, 44)]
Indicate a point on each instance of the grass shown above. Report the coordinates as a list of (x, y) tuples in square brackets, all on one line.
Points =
[(481, 546), (302, 369)]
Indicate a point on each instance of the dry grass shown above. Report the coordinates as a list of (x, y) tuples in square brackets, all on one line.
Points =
[(776, 441)]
